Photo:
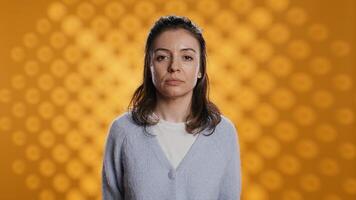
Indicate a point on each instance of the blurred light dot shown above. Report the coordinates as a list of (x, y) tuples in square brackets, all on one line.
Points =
[(329, 167), (349, 186), (45, 82), (88, 185), (85, 10), (320, 65), (261, 50), (59, 96), (47, 168), (74, 110), (265, 114), (75, 194), (145, 9), (56, 11), (260, 18), (86, 40), (45, 54), (60, 153), (245, 67), (340, 48), (75, 169), (72, 54), (318, 32), (33, 124), (296, 16), (18, 166), (43, 26), (18, 54), (31, 68), (207, 7), (331, 197), (325, 133), (47, 194), (59, 68), (304, 115), (268, 146), (19, 138), (46, 110), (299, 49), (71, 25), (345, 116), (250, 130), (224, 20), (310, 182), (46, 138), (342, 82), (74, 140), (241, 6), (271, 179), (130, 21), (278, 33), (18, 109), (280, 66), (33, 153), (58, 40), (60, 124), (322, 98), (253, 162), (247, 98), (32, 95), (255, 192), (73, 82), (278, 5), (288, 164), (61, 183), (32, 181), (286, 131), (244, 35), (88, 155), (283, 98), (5, 95), (290, 194), (263, 82), (114, 10), (301, 82), (307, 148), (30, 40), (101, 25), (347, 150)]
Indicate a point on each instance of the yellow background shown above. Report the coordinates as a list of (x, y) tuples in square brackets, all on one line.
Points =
[(282, 70)]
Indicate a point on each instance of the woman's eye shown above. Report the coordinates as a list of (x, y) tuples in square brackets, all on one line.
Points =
[(159, 58), (188, 58)]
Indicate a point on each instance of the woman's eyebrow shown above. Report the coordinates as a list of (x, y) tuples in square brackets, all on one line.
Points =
[(161, 49), (185, 49), (188, 49)]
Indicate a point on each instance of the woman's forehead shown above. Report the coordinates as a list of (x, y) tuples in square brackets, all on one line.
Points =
[(176, 39)]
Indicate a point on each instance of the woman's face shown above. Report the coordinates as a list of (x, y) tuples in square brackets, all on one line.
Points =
[(176, 55)]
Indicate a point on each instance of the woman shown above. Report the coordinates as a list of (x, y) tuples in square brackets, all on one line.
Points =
[(173, 143)]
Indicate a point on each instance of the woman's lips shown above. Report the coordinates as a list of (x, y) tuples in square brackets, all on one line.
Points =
[(173, 82)]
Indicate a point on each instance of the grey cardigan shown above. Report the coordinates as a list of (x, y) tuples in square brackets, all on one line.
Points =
[(136, 168)]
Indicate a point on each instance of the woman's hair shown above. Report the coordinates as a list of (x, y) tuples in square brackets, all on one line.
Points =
[(203, 113)]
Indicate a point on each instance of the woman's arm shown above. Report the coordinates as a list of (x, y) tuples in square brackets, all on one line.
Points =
[(230, 186), (112, 170)]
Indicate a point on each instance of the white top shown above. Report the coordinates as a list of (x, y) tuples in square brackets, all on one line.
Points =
[(174, 140)]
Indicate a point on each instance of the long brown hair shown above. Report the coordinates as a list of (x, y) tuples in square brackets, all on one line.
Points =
[(203, 112)]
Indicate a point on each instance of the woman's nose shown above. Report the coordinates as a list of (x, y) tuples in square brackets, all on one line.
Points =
[(174, 65)]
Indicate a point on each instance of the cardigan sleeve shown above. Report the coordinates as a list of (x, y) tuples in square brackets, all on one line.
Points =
[(230, 185), (112, 170)]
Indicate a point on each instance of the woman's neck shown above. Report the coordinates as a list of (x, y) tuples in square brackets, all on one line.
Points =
[(173, 110)]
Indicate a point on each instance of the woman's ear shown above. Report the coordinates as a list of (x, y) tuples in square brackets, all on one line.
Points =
[(199, 75)]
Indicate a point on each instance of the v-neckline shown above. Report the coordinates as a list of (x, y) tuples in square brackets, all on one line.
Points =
[(164, 159)]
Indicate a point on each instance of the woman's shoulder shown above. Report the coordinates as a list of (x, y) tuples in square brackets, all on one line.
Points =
[(226, 130)]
